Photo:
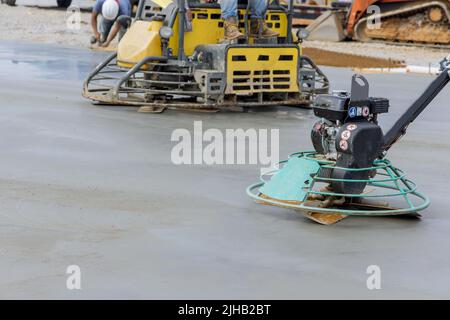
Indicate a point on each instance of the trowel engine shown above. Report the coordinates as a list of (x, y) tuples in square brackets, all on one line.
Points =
[(348, 132)]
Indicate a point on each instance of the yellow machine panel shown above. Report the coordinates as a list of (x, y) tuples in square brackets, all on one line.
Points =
[(142, 40), (207, 28), (262, 69)]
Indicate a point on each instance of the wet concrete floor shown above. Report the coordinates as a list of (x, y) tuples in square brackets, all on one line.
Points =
[(95, 186)]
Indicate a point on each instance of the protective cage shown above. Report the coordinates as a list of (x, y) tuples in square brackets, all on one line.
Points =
[(161, 82), (387, 183)]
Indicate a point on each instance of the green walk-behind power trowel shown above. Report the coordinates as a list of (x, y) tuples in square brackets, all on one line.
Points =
[(348, 172)]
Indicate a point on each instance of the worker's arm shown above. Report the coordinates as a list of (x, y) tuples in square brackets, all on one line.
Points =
[(112, 34), (94, 24), (124, 22)]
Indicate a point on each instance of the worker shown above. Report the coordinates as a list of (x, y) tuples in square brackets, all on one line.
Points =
[(115, 16), (257, 14)]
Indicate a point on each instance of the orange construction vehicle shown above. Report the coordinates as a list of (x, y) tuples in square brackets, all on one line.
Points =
[(404, 21)]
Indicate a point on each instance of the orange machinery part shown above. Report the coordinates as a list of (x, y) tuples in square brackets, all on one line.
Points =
[(359, 8)]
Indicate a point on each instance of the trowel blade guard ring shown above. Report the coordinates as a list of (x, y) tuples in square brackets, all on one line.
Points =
[(389, 183), (160, 82)]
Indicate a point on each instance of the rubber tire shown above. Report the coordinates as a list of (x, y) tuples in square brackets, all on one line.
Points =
[(10, 2), (64, 3)]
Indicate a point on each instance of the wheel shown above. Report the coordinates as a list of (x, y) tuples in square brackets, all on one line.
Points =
[(436, 15), (64, 3)]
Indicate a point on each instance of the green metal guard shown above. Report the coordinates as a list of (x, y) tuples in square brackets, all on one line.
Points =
[(389, 182)]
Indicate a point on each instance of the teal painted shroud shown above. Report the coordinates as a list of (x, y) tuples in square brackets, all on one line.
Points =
[(292, 182)]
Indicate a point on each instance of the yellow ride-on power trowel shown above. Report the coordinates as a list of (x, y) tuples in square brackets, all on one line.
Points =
[(168, 59)]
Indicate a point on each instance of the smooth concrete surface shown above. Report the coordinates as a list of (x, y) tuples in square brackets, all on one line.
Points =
[(94, 186)]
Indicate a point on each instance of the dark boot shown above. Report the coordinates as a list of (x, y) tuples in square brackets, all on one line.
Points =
[(231, 29), (256, 24)]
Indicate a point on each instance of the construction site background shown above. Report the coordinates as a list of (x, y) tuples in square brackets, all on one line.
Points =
[(45, 24)]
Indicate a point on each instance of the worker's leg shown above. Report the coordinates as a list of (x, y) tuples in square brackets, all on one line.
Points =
[(105, 28), (230, 15), (228, 8), (257, 25), (258, 8)]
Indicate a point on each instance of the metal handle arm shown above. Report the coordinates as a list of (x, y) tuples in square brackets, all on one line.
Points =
[(399, 128)]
